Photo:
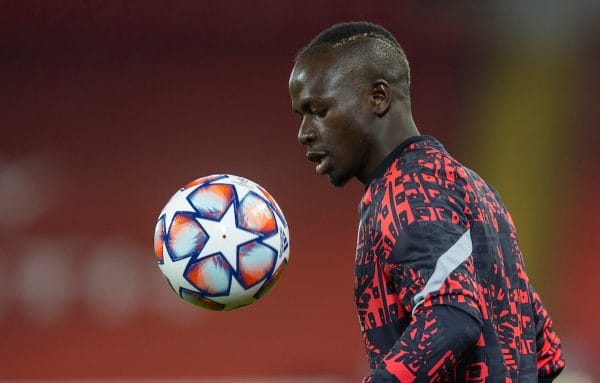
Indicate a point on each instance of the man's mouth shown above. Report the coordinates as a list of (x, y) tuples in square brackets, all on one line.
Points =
[(322, 160)]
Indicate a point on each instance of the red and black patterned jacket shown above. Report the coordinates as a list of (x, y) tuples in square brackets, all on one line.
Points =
[(440, 286)]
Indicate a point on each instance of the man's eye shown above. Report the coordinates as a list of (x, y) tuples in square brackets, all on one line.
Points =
[(320, 113)]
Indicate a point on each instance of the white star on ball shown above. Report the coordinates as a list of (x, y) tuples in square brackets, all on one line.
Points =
[(225, 237)]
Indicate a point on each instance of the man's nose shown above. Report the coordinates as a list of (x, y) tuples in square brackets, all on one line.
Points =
[(307, 132)]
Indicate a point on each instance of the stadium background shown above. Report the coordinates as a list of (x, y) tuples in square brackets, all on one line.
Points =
[(108, 107)]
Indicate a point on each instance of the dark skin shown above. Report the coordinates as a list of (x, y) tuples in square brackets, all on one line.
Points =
[(348, 124)]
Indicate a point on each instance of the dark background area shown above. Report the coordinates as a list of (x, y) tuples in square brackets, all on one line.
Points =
[(106, 108)]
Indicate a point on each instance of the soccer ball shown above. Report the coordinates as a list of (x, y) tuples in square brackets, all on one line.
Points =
[(221, 242)]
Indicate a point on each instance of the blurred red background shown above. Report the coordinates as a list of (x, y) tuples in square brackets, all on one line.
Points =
[(108, 108)]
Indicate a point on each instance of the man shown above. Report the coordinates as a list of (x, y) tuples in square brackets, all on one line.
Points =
[(440, 288)]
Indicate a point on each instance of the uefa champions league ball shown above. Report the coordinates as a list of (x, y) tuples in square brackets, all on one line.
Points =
[(221, 242)]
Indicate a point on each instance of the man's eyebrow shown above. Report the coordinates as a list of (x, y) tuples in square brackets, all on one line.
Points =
[(306, 103)]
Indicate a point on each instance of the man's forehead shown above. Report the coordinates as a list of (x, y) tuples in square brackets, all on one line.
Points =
[(319, 68), (313, 64)]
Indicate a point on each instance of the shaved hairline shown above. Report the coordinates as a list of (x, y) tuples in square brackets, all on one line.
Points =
[(376, 55)]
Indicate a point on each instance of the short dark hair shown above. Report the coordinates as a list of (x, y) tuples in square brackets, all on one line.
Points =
[(339, 34), (392, 58)]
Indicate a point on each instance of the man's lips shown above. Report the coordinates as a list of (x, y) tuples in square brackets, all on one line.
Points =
[(315, 156), (320, 158)]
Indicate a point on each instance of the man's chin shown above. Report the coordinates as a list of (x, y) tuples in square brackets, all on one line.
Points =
[(338, 181)]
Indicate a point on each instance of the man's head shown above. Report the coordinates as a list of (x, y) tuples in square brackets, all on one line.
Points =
[(350, 86)]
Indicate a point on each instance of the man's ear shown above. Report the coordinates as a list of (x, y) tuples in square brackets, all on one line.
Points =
[(380, 97)]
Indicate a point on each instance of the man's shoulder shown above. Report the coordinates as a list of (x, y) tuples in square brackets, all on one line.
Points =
[(424, 183), (425, 159)]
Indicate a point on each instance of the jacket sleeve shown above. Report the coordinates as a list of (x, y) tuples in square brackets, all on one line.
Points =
[(430, 347), (550, 360), (432, 269)]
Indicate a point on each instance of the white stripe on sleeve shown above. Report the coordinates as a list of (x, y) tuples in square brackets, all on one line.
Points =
[(445, 265)]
